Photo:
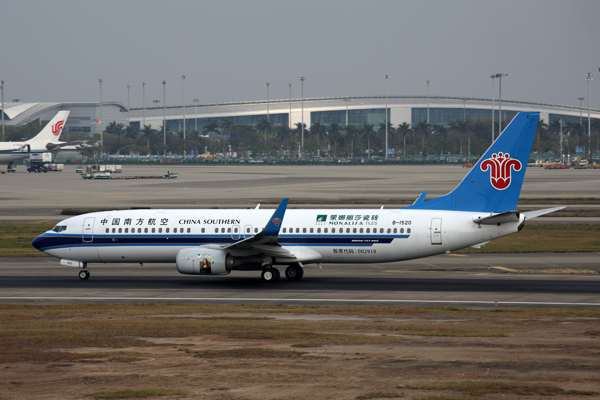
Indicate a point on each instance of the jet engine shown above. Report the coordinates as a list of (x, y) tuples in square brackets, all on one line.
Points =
[(205, 261)]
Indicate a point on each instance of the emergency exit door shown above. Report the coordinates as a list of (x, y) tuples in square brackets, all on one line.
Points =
[(436, 231)]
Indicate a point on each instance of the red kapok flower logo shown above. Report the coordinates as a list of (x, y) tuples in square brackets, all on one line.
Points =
[(500, 169), (276, 221)]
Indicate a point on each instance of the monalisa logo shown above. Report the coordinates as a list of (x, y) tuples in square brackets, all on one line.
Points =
[(276, 221), (57, 128), (500, 169)]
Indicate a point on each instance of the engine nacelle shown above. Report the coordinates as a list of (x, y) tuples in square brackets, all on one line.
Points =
[(201, 260)]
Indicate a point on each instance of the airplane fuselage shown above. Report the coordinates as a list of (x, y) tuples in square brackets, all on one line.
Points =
[(311, 236)]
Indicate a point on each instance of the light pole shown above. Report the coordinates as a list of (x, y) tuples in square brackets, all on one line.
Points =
[(499, 76), (128, 107), (2, 87), (428, 83), (581, 99), (268, 86), (143, 105), (347, 101), (183, 78), (302, 120), (196, 101), (101, 81), (290, 117), (493, 77), (164, 83), (386, 77), (589, 78)]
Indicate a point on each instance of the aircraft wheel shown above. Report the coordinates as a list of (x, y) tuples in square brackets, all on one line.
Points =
[(294, 272), (84, 274), (270, 275)]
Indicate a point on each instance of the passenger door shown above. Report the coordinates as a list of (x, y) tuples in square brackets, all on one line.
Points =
[(88, 230)]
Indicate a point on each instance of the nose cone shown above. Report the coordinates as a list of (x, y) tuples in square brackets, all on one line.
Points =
[(40, 242)]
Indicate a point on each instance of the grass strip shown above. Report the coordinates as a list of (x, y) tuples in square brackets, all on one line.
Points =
[(553, 238), (15, 239), (138, 393), (379, 395), (480, 388)]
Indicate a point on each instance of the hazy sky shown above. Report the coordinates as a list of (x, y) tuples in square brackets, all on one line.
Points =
[(57, 50)]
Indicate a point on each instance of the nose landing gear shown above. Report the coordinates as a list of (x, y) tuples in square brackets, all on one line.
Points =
[(84, 274)]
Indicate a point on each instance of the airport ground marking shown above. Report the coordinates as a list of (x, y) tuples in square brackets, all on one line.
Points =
[(492, 302)]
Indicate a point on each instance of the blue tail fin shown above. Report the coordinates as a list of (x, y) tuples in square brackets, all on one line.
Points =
[(494, 183)]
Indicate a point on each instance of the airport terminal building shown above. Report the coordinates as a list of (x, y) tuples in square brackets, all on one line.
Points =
[(91, 117)]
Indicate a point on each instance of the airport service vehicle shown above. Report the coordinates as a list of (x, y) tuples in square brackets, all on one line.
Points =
[(217, 242), (46, 140)]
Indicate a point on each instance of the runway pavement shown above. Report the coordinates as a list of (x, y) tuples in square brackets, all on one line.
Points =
[(472, 281)]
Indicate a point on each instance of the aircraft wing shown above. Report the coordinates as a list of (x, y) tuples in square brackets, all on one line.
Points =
[(25, 148), (265, 242)]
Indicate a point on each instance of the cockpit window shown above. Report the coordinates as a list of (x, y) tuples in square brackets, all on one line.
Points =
[(59, 228)]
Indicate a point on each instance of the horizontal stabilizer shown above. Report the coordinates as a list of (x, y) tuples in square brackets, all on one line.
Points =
[(479, 245), (538, 213), (497, 219)]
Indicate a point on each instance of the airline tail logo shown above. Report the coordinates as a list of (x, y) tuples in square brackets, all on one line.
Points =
[(500, 169), (57, 128), (276, 221)]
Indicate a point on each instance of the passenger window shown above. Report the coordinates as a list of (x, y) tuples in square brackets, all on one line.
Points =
[(159, 230), (222, 230), (120, 230), (167, 230), (407, 230), (107, 230), (325, 230), (145, 230), (347, 230), (312, 230), (361, 230), (389, 230), (368, 230), (228, 230), (255, 230), (247, 230), (153, 230), (297, 230), (126, 230), (401, 230), (283, 230), (190, 230), (395, 230), (203, 230), (114, 230), (332, 230), (216, 230), (139, 230), (353, 230), (303, 230), (318, 230)]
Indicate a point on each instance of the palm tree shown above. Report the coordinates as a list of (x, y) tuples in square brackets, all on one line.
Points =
[(210, 128), (318, 130), (404, 129), (335, 135)]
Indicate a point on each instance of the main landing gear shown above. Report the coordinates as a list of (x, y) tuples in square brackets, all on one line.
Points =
[(84, 274), (294, 273)]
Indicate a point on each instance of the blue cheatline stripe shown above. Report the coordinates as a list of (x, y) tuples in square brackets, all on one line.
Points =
[(57, 241)]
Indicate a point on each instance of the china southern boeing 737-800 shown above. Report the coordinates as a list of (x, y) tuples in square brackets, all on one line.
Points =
[(43, 142), (216, 242)]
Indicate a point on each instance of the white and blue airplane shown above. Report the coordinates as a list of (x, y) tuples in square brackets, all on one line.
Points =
[(46, 140), (216, 242)]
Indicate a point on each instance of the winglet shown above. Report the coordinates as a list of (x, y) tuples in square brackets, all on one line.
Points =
[(276, 220), (420, 199)]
